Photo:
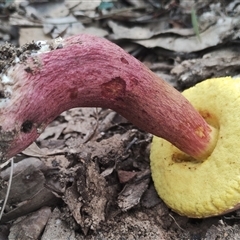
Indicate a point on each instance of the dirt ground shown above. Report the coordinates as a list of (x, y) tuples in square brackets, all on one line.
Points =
[(95, 188), (87, 176), (99, 188)]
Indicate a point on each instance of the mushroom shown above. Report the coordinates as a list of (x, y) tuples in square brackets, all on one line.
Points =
[(211, 186), (87, 71)]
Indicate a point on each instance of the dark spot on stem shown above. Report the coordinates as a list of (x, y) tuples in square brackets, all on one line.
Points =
[(114, 89), (123, 60), (27, 126), (134, 81), (73, 93), (28, 70)]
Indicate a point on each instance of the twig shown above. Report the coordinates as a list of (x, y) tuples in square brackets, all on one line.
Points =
[(176, 222), (8, 189)]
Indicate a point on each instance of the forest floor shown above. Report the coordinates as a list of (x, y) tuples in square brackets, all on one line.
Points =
[(88, 176)]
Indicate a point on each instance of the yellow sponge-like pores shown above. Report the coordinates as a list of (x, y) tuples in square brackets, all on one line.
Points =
[(211, 187)]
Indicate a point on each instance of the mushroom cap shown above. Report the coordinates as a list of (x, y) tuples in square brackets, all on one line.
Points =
[(211, 187)]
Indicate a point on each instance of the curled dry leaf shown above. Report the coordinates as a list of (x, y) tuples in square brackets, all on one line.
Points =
[(87, 197), (132, 192)]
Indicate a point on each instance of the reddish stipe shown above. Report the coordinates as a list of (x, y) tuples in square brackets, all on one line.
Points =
[(87, 71)]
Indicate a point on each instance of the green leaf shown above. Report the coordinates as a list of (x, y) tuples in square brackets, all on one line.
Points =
[(195, 23)]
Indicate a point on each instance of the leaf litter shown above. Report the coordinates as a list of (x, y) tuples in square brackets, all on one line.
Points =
[(87, 176)]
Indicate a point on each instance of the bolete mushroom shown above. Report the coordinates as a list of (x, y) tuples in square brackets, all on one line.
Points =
[(211, 186), (86, 71)]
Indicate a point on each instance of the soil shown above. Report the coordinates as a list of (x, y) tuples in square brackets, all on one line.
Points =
[(97, 187), (88, 176)]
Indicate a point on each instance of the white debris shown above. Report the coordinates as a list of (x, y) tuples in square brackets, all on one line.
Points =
[(44, 47), (16, 60), (8, 91), (4, 102), (6, 79), (58, 40), (6, 83)]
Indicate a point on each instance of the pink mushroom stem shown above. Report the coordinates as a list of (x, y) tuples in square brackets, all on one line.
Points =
[(87, 71)]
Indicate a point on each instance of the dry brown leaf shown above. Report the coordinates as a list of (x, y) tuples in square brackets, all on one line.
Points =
[(18, 167), (132, 192), (126, 176), (31, 226), (97, 31), (57, 26), (53, 131), (27, 193), (83, 5), (217, 63), (214, 35), (87, 197), (27, 35), (34, 151), (145, 32), (130, 33), (57, 229), (17, 19), (45, 10)]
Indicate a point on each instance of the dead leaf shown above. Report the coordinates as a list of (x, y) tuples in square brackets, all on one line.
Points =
[(18, 167), (55, 131), (87, 197), (31, 226), (75, 206), (83, 5), (130, 33), (132, 192), (217, 63), (125, 176), (27, 193), (214, 35), (150, 197), (145, 32), (57, 229), (57, 26), (27, 35), (93, 31), (34, 151)]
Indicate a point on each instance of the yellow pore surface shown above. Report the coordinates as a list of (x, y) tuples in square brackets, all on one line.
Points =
[(211, 187)]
